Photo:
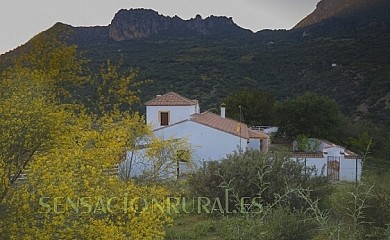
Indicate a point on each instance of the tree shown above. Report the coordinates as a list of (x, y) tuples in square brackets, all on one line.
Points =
[(166, 155), (257, 107), (155, 159), (48, 54), (305, 144), (29, 96), (66, 151), (310, 114), (363, 143), (68, 194), (113, 90), (29, 123)]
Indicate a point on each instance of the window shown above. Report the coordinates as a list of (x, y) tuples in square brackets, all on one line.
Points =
[(164, 118)]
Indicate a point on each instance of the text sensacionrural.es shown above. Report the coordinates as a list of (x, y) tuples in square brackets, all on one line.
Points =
[(124, 204)]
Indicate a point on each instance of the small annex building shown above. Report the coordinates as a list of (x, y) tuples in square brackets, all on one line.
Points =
[(336, 162)]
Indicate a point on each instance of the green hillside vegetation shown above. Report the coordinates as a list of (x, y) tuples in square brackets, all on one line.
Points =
[(209, 69), (344, 57)]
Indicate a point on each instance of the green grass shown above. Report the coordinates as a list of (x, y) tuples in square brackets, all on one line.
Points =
[(279, 148), (194, 226)]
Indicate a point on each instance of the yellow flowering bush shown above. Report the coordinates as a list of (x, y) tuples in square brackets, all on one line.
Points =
[(57, 162)]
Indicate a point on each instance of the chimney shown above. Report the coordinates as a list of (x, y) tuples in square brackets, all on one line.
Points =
[(223, 110)]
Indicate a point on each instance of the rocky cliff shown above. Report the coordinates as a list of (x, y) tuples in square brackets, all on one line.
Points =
[(140, 23)]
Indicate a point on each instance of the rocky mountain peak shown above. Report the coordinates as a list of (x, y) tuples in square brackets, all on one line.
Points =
[(140, 23)]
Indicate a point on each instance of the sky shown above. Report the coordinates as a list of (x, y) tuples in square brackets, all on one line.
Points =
[(20, 20)]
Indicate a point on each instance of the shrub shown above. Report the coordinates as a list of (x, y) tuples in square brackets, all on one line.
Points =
[(286, 224), (253, 174)]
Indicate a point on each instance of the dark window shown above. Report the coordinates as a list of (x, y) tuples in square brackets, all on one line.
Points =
[(164, 116)]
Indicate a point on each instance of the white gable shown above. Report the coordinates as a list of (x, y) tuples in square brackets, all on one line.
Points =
[(169, 109), (175, 114)]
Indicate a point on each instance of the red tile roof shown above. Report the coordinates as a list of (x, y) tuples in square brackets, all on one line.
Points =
[(326, 142), (226, 125), (350, 154), (347, 153), (223, 124), (334, 146), (171, 99), (257, 134), (307, 155)]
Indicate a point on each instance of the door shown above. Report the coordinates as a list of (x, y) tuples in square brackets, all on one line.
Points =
[(333, 168)]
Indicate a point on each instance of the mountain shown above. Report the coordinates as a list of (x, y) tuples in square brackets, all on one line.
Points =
[(340, 50), (144, 23), (327, 9), (141, 23)]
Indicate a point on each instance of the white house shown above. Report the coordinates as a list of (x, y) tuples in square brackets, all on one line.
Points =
[(211, 136), (338, 163)]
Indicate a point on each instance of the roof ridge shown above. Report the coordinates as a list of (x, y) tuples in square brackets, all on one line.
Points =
[(225, 117), (228, 125), (170, 99), (180, 96)]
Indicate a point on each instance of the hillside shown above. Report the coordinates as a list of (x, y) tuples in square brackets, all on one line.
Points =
[(327, 9), (343, 56)]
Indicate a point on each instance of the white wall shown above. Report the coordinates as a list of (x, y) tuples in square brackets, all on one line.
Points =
[(135, 164), (176, 114), (322, 146), (318, 163), (348, 169), (254, 144), (207, 143), (138, 163), (347, 166), (334, 151)]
